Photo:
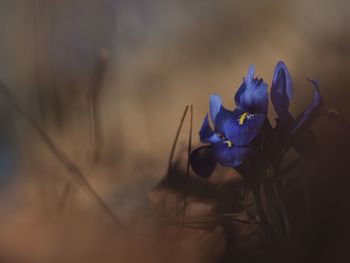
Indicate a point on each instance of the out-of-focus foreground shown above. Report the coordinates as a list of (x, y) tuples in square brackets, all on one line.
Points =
[(108, 81)]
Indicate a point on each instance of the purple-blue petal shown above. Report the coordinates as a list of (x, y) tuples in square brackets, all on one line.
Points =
[(252, 96), (228, 124), (206, 134), (202, 161), (215, 105), (255, 99), (250, 75), (239, 93), (282, 68), (281, 92), (313, 107), (245, 133), (230, 156)]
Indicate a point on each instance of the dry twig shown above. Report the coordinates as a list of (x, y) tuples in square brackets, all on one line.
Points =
[(76, 174)]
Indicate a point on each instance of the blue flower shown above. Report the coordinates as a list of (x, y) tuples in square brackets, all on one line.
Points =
[(230, 140), (281, 95)]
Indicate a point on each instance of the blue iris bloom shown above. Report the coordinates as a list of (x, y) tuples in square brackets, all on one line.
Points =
[(230, 140), (281, 95)]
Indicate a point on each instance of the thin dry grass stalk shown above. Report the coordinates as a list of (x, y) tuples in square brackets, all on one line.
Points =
[(75, 172), (94, 95), (172, 151), (188, 164)]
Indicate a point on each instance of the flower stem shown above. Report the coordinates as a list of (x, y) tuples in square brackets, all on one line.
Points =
[(268, 232), (275, 211), (279, 194)]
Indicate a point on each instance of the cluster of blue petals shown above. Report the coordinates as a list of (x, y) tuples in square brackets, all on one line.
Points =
[(232, 132)]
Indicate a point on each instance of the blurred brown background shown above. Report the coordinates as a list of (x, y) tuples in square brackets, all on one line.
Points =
[(162, 55)]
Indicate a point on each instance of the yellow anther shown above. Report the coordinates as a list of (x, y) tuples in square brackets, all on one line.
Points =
[(243, 118), (229, 144)]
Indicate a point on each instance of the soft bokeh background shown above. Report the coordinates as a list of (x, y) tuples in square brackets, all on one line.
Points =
[(159, 57)]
